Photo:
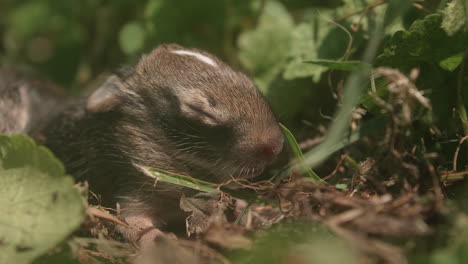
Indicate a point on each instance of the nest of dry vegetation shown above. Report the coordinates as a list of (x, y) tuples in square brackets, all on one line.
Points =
[(218, 223)]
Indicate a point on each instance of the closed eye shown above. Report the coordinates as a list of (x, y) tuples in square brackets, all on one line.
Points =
[(204, 115)]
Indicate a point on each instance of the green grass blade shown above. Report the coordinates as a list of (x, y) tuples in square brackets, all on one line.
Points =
[(299, 156), (372, 126), (341, 65), (196, 184), (181, 180), (352, 92)]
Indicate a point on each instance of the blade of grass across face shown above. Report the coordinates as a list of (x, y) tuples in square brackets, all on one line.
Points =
[(181, 180), (196, 184), (299, 156)]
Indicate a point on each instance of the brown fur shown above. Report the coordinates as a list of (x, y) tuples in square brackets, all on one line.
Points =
[(26, 102), (170, 111)]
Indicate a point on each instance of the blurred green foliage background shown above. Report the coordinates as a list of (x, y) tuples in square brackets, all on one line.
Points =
[(75, 42)]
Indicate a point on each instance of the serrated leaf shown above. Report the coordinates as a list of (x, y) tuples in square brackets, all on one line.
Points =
[(39, 203), (341, 65), (425, 41)]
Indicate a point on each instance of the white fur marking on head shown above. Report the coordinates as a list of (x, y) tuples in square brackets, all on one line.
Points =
[(199, 56)]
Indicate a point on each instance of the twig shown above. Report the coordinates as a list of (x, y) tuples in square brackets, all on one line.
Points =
[(420, 7), (309, 143), (450, 176), (346, 216), (437, 190), (345, 57), (337, 167), (92, 211), (96, 254), (455, 156), (364, 10), (350, 41)]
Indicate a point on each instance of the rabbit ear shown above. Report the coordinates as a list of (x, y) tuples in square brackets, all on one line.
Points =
[(106, 97)]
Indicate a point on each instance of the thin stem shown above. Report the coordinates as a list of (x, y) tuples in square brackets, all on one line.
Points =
[(460, 101)]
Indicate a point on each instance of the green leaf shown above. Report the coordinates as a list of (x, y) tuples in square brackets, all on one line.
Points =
[(132, 38), (452, 62), (298, 69), (39, 205), (297, 242), (424, 42), (299, 156), (321, 39), (318, 39), (341, 65), (264, 50), (303, 46), (341, 186)]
